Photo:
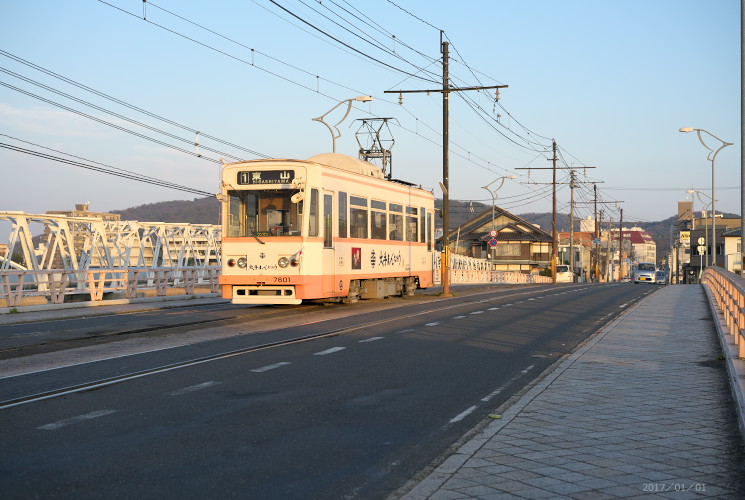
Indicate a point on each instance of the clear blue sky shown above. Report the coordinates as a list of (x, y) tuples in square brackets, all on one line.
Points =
[(611, 82)]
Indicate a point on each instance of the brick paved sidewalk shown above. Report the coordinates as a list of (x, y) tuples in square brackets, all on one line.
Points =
[(642, 410)]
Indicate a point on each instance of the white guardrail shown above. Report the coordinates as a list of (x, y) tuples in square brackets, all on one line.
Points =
[(95, 284), (468, 270)]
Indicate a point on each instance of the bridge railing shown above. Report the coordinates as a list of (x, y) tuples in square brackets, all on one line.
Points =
[(93, 284), (467, 270), (728, 290)]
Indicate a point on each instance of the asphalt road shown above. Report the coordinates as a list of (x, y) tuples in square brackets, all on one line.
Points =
[(353, 414)]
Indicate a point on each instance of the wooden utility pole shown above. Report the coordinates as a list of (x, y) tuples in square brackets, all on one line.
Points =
[(554, 233), (446, 90), (620, 246), (572, 174), (596, 235)]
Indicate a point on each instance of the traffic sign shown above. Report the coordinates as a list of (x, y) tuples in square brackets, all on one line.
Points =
[(701, 250), (701, 240), (492, 242), (493, 233)]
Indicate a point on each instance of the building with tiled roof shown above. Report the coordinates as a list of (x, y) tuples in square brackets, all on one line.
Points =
[(520, 245)]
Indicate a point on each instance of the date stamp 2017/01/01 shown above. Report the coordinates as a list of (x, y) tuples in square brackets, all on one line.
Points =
[(669, 487)]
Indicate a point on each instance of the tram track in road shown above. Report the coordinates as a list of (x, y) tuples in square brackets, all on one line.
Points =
[(102, 383), (440, 308)]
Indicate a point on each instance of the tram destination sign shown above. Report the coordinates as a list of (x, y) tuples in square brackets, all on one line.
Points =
[(254, 177)]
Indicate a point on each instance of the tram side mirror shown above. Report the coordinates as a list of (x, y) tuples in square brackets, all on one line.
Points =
[(297, 197)]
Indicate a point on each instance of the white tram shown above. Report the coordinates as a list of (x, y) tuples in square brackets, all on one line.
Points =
[(330, 228)]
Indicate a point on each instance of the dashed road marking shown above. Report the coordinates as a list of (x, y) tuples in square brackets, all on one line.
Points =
[(434, 323), (463, 415), (75, 420), (271, 367), (193, 388), (477, 312), (329, 351), (373, 339)]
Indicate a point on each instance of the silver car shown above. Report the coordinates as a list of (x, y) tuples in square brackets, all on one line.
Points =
[(645, 272)]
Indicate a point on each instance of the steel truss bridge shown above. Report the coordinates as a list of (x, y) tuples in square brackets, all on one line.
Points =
[(91, 256)]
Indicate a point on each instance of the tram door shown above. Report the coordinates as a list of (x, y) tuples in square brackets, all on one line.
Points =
[(329, 253)]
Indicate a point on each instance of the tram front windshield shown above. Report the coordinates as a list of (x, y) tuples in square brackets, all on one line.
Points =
[(264, 213)]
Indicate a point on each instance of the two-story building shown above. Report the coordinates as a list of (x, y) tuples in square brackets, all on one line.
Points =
[(518, 245)]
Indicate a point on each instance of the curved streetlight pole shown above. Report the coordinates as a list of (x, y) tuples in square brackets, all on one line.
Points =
[(712, 156), (706, 224), (332, 128), (493, 193)]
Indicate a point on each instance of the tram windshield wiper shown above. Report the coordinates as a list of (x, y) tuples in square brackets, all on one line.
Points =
[(256, 236)]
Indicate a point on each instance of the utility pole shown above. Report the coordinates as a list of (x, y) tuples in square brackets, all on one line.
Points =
[(609, 253), (596, 235), (446, 90), (572, 174), (598, 226), (554, 233), (620, 246)]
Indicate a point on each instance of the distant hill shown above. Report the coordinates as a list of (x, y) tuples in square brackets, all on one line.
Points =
[(206, 211), (197, 211)]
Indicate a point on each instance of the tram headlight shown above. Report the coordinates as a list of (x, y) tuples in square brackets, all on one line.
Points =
[(231, 262), (242, 263), (283, 262), (295, 259)]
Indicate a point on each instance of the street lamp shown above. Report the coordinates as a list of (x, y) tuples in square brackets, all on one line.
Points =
[(332, 128), (493, 193), (712, 156), (706, 225)]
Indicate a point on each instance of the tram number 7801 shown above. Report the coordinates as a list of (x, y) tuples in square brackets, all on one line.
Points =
[(281, 279)]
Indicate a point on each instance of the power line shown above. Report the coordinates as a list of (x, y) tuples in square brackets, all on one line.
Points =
[(108, 170)]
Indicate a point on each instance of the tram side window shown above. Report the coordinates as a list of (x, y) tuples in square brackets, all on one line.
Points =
[(429, 231), (378, 220), (234, 218), (328, 217), (358, 217), (313, 213), (396, 221), (423, 225), (412, 222), (343, 215)]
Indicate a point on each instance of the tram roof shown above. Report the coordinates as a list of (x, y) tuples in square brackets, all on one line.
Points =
[(348, 163)]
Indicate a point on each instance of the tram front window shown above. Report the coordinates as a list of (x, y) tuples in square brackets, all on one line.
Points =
[(264, 213)]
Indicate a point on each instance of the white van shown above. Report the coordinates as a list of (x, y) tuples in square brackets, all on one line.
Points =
[(564, 274)]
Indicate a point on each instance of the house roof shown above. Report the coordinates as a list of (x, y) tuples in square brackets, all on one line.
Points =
[(516, 229)]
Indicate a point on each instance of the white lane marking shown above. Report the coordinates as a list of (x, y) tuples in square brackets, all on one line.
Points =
[(507, 305), (75, 420), (492, 309), (458, 317), (271, 367), (198, 387), (623, 305), (406, 331), (463, 415), (329, 351), (506, 384), (477, 312), (432, 324), (373, 339), (531, 299)]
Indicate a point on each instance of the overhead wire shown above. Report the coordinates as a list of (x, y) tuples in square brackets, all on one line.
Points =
[(101, 167)]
